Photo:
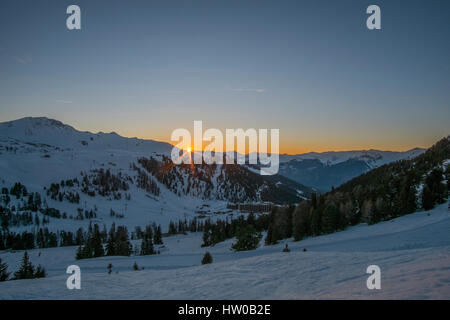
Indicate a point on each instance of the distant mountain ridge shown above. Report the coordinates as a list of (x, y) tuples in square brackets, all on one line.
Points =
[(54, 132), (331, 169), (373, 158), (62, 152), (318, 170)]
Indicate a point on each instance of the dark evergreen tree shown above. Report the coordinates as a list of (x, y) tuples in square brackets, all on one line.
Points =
[(331, 219), (447, 177), (147, 242), (427, 198), (80, 254), (436, 183), (111, 242), (207, 237), (172, 228), (96, 244), (4, 274), (26, 270), (269, 238), (207, 258), (301, 221), (123, 245), (247, 238), (157, 237)]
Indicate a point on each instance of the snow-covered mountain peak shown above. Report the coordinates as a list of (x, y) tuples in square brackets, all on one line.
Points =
[(33, 125), (42, 130)]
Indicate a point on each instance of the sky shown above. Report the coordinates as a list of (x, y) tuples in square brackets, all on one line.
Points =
[(311, 69)]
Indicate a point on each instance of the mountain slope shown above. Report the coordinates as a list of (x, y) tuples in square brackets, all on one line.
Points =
[(73, 170), (331, 169)]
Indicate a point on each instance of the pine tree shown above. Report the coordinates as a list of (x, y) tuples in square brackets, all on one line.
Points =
[(135, 266), (4, 275), (427, 198), (330, 219), (172, 228), (147, 242), (79, 255), (110, 244), (79, 238), (157, 238), (123, 244), (26, 270), (207, 258), (301, 224), (207, 236), (40, 272), (268, 240), (434, 190), (247, 238), (97, 245), (314, 200), (447, 177), (316, 227)]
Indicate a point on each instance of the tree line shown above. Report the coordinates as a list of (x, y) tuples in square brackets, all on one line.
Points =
[(26, 270), (116, 242)]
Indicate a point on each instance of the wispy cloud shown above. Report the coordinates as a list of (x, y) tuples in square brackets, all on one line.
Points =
[(64, 101), (172, 91), (248, 90), (23, 60)]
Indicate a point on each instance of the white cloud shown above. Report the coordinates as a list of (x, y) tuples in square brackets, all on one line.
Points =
[(23, 60), (64, 101)]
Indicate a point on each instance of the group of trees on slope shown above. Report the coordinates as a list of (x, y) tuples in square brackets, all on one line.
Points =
[(26, 270), (231, 182), (117, 242), (381, 194)]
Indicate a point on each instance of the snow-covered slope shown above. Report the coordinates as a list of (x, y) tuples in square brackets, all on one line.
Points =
[(55, 133), (412, 251)]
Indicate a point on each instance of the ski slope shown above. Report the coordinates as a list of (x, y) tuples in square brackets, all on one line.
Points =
[(413, 253)]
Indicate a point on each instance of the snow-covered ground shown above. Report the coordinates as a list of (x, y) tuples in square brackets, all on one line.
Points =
[(413, 253)]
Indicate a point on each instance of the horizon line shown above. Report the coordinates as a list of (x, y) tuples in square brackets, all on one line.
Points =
[(338, 150)]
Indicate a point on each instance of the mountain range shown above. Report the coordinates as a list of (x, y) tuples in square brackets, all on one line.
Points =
[(319, 171), (331, 169), (130, 176)]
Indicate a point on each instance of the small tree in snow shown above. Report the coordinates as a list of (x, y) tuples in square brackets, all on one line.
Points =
[(3, 271), (207, 258)]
